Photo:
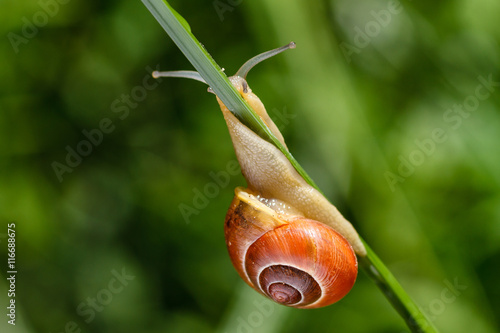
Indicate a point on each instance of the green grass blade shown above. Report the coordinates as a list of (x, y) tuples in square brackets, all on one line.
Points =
[(394, 292), (178, 29)]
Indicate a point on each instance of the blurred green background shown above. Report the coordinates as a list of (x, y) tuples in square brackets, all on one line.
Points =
[(392, 108)]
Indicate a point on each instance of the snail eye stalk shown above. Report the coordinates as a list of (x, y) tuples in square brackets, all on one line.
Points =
[(247, 66), (185, 74)]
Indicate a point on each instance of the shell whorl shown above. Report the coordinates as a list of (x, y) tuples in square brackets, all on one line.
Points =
[(291, 259)]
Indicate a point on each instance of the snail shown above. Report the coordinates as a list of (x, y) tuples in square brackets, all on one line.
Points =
[(285, 239)]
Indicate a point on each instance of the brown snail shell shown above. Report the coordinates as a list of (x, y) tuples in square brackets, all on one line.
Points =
[(293, 260)]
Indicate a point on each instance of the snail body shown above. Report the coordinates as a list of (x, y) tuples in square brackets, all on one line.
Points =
[(269, 173), (285, 239)]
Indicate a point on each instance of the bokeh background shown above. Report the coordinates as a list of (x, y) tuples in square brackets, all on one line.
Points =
[(371, 84)]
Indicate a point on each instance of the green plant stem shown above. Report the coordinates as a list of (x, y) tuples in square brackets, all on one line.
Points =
[(394, 292), (178, 29)]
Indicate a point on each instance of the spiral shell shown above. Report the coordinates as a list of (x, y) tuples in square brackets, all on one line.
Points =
[(293, 260)]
